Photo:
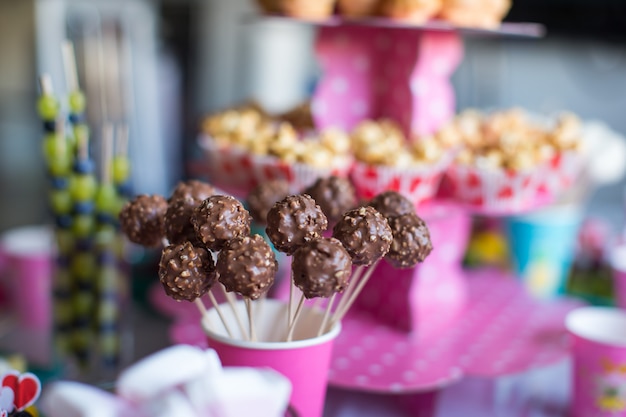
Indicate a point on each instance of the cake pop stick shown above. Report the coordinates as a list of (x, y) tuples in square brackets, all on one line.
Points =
[(340, 313), (329, 308), (290, 303), (321, 268), (216, 221), (247, 266), (296, 316), (202, 308), (216, 305), (292, 222), (354, 281), (231, 301), (187, 272), (252, 331), (367, 237)]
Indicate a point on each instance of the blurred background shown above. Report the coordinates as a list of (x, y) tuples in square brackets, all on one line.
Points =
[(181, 59)]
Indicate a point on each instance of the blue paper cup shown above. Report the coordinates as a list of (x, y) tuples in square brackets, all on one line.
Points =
[(542, 246)]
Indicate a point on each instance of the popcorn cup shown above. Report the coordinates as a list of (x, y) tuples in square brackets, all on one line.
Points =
[(542, 246), (599, 360), (418, 184), (618, 265), (496, 191), (305, 360), (229, 167), (559, 174), (237, 171)]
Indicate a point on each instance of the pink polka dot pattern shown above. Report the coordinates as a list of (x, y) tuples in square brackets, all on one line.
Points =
[(374, 72), (501, 331)]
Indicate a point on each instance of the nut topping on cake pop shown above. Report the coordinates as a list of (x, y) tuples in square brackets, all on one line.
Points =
[(142, 219), (335, 196), (195, 189), (178, 226), (263, 197), (321, 267), (247, 266), (365, 234), (293, 221), (219, 219), (411, 241), (392, 203), (186, 272)]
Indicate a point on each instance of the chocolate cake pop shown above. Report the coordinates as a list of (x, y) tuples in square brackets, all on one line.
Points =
[(411, 241), (392, 203), (247, 266), (321, 267), (335, 196), (293, 221), (264, 196), (178, 226), (365, 234), (219, 219), (195, 189), (142, 219), (186, 272)]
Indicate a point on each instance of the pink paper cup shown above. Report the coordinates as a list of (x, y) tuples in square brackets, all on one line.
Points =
[(618, 264), (305, 361), (26, 268), (599, 359)]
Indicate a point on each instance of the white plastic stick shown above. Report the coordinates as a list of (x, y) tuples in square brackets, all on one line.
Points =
[(353, 283), (329, 308), (205, 314), (233, 307), (339, 314), (250, 319), (219, 313), (295, 319)]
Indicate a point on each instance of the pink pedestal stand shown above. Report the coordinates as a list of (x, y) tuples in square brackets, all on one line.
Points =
[(372, 73)]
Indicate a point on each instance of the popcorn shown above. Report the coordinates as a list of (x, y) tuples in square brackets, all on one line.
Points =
[(251, 130), (508, 139), (383, 143)]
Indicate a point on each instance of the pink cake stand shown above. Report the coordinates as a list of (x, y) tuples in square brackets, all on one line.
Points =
[(381, 68)]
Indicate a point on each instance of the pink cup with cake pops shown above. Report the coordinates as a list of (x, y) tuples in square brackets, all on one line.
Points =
[(305, 360), (295, 342)]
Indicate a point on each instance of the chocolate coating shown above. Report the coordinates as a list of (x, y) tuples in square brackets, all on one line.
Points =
[(178, 226), (247, 266), (142, 219), (321, 267), (219, 219), (365, 234), (293, 221), (335, 196), (186, 272), (263, 197), (411, 241), (392, 203), (195, 189)]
